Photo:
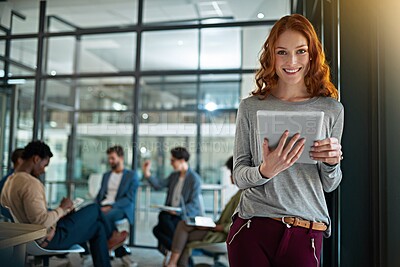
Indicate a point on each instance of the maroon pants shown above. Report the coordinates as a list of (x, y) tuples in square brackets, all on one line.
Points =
[(265, 242)]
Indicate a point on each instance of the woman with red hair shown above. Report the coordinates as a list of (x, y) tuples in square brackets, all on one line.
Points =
[(282, 214)]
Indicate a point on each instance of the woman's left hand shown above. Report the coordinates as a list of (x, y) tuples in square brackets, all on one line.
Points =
[(328, 150)]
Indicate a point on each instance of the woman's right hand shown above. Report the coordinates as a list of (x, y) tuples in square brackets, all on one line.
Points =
[(146, 168), (282, 157)]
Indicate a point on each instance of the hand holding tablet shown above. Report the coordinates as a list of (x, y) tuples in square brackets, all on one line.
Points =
[(272, 125)]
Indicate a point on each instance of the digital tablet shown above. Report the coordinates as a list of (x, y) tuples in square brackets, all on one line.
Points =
[(200, 221), (272, 124)]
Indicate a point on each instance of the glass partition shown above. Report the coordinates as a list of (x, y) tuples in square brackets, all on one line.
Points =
[(106, 93), (174, 49), (89, 13), (24, 52), (107, 52), (198, 11)]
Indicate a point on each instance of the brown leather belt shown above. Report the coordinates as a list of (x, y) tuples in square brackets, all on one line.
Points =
[(294, 221)]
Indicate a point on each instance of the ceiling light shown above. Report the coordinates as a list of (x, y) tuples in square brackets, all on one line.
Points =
[(260, 15), (119, 107), (211, 106), (16, 81), (143, 149), (145, 116), (53, 124), (53, 73)]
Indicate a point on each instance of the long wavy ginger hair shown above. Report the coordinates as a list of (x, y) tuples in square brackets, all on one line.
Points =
[(317, 80)]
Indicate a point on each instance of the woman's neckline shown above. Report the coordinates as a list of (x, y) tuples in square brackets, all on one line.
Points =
[(302, 102)]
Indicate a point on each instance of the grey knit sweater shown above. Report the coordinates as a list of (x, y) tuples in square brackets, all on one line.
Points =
[(297, 191)]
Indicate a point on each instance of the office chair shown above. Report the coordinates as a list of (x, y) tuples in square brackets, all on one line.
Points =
[(42, 255), (214, 250)]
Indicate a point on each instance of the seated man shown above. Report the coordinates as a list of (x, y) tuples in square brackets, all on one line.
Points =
[(25, 195), (16, 161), (184, 233), (117, 195), (184, 189)]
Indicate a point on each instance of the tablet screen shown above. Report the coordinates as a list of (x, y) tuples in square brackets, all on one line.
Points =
[(272, 124)]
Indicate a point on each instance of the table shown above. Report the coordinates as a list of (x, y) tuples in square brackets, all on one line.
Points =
[(13, 239)]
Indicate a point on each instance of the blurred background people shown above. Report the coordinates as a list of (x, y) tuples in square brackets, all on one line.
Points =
[(117, 194), (24, 195), (184, 189), (16, 159), (184, 233)]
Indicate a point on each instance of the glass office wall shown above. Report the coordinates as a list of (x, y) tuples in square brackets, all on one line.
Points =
[(185, 91)]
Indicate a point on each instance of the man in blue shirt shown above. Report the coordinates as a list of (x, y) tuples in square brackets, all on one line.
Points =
[(117, 195), (16, 159)]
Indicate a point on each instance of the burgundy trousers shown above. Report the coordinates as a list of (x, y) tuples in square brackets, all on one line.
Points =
[(264, 242)]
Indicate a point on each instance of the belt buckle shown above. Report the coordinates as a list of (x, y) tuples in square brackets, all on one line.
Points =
[(285, 223)]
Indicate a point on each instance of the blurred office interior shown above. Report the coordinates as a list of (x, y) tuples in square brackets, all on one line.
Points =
[(150, 75)]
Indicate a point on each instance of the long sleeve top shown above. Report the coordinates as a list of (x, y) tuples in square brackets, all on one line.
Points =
[(25, 196), (297, 191), (191, 190)]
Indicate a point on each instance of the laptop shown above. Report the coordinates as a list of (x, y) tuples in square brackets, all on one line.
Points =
[(200, 221), (271, 125)]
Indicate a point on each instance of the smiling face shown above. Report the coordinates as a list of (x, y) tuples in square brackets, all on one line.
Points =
[(292, 60)]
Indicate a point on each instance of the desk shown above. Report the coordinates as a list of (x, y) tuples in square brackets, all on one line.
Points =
[(13, 239)]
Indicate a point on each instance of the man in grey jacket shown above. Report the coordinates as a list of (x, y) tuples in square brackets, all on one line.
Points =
[(184, 189)]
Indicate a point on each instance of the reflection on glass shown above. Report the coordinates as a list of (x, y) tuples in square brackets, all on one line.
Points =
[(150, 117), (60, 55), (221, 48), (106, 93), (28, 9), (164, 50), (180, 92), (216, 146), (2, 47), (213, 11), (168, 95), (26, 94), (24, 51), (220, 92), (108, 52), (15, 70), (58, 92), (253, 40), (89, 13), (57, 129)]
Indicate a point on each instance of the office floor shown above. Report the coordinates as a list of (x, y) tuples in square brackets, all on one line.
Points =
[(144, 258)]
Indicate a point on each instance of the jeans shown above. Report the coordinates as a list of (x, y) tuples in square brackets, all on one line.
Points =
[(87, 224)]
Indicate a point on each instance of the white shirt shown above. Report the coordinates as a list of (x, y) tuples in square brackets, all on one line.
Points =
[(112, 188), (176, 197)]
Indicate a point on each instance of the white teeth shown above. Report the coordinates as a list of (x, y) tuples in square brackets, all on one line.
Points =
[(292, 71)]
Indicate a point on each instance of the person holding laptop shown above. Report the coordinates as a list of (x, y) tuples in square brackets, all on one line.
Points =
[(184, 189), (185, 233), (282, 215)]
